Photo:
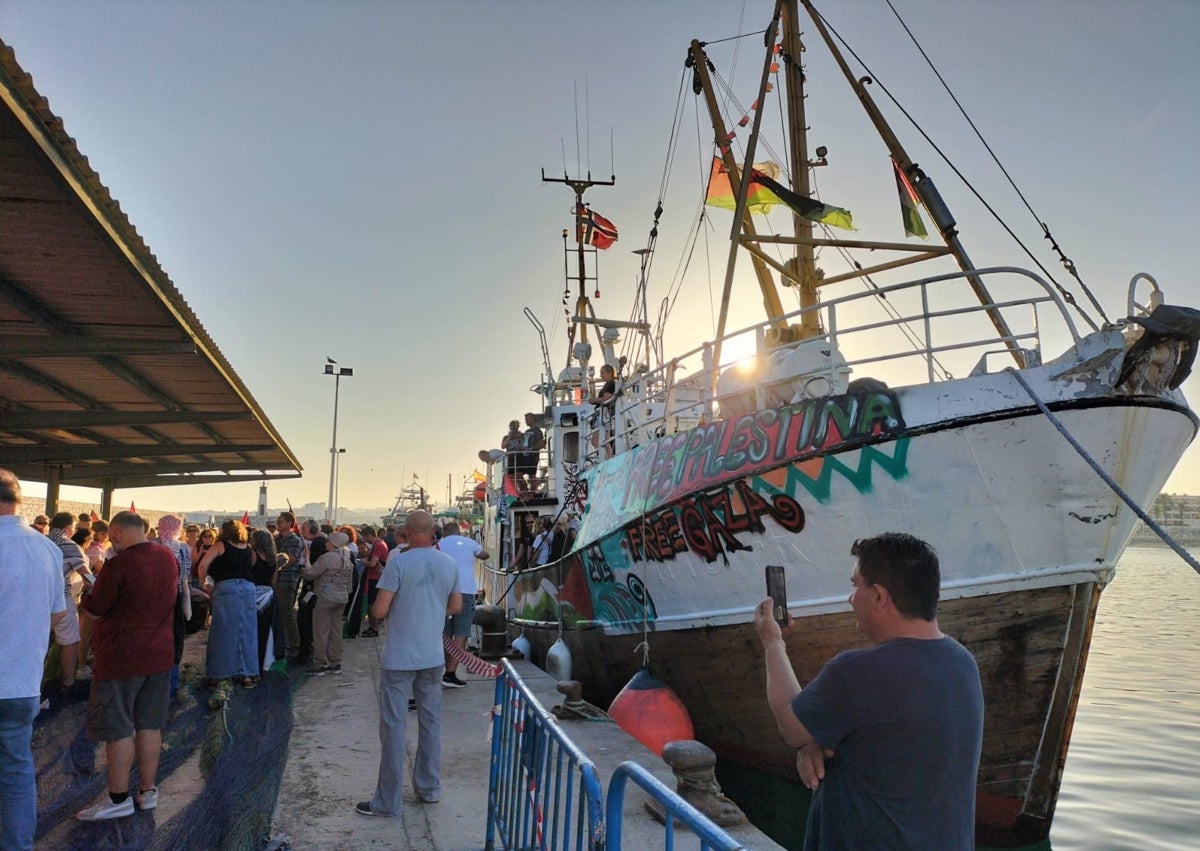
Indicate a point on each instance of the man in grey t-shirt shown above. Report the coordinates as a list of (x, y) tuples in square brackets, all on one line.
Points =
[(418, 590), (889, 736)]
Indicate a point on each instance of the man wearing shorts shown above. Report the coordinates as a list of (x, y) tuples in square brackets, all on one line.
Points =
[(133, 643), (66, 630), (464, 551)]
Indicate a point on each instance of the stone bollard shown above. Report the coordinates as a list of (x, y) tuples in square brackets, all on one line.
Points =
[(694, 765)]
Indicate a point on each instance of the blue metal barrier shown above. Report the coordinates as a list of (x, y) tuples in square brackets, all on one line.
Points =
[(711, 837), (543, 792)]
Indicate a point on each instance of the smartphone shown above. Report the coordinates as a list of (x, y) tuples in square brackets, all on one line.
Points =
[(777, 591)]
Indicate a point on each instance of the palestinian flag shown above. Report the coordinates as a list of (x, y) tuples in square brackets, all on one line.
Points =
[(591, 228), (765, 192), (910, 204)]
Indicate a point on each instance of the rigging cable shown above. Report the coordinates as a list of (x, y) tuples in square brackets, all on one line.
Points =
[(1067, 296), (1108, 480), (1067, 262)]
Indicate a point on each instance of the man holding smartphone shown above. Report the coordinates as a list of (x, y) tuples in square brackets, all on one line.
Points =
[(889, 736)]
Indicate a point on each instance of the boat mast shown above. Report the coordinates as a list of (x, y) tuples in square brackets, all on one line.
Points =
[(583, 305), (804, 264), (743, 224), (924, 187)]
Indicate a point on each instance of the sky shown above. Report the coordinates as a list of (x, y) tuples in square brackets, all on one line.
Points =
[(362, 180)]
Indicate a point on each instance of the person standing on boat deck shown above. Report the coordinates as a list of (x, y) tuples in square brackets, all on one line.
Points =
[(418, 590), (133, 640), (464, 551), (889, 736), (533, 441), (541, 544), (31, 602), (511, 444), (288, 579)]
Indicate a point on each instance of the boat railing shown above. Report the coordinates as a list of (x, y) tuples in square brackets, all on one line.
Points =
[(933, 330)]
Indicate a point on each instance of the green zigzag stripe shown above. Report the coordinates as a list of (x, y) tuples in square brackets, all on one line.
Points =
[(895, 465)]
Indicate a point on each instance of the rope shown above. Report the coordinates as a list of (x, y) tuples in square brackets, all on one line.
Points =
[(1108, 480)]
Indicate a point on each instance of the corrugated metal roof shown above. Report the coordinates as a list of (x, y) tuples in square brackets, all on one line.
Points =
[(81, 391)]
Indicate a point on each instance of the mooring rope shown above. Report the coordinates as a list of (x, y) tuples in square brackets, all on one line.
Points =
[(1137, 509)]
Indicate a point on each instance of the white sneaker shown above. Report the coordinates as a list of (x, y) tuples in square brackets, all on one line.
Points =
[(105, 809), (147, 800)]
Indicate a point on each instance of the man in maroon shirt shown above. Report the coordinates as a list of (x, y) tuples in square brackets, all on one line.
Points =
[(133, 644), (376, 558)]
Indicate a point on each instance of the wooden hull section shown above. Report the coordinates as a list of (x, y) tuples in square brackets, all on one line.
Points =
[(1030, 646)]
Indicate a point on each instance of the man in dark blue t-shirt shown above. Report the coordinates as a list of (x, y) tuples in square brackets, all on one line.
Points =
[(890, 735)]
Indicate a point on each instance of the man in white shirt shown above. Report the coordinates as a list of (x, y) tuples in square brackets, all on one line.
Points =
[(31, 600), (464, 551), (541, 544)]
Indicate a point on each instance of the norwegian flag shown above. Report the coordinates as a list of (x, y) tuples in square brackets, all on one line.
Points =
[(593, 229)]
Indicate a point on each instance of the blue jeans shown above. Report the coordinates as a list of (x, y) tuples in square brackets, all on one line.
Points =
[(18, 783)]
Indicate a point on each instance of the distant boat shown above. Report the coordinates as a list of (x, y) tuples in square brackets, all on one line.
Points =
[(409, 499), (699, 472)]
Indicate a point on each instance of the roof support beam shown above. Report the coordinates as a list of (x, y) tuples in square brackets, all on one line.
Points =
[(73, 420), (167, 481), (111, 451), (73, 473), (20, 347)]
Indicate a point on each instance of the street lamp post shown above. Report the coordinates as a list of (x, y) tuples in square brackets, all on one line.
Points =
[(338, 374)]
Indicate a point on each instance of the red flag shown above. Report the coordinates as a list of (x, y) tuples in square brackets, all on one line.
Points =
[(95, 516), (245, 518), (593, 229), (132, 507)]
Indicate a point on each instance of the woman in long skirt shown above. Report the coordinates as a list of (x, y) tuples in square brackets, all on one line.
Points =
[(233, 636)]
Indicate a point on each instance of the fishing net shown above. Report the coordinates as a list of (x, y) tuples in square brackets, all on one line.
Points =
[(242, 743)]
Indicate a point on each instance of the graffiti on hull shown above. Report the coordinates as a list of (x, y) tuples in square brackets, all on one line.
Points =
[(714, 490), (707, 457)]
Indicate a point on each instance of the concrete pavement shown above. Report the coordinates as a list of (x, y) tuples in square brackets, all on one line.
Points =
[(333, 762)]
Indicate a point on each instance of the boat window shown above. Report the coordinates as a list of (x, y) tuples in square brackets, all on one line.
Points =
[(570, 447)]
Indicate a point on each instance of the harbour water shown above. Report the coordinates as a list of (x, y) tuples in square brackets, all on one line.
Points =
[(1132, 779)]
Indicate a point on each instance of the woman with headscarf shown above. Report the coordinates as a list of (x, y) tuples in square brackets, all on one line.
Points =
[(233, 636), (332, 573), (266, 561)]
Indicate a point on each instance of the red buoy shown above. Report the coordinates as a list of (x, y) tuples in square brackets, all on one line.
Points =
[(651, 712)]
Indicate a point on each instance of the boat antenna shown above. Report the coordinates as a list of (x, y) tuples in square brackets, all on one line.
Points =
[(583, 305)]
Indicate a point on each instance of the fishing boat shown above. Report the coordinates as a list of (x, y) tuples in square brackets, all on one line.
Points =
[(885, 402), (409, 499)]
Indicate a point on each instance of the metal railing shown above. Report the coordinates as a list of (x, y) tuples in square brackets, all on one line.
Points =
[(681, 394), (544, 793), (711, 837)]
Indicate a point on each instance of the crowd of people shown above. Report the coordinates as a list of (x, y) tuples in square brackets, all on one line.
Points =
[(119, 597)]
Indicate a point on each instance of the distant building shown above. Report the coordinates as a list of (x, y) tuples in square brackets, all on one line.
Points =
[(1171, 509)]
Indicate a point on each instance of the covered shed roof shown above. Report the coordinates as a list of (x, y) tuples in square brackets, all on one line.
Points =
[(83, 395)]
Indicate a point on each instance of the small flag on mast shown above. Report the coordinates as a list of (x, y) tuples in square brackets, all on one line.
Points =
[(910, 204), (591, 228)]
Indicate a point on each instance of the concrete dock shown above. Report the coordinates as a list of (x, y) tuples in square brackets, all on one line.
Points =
[(333, 761)]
